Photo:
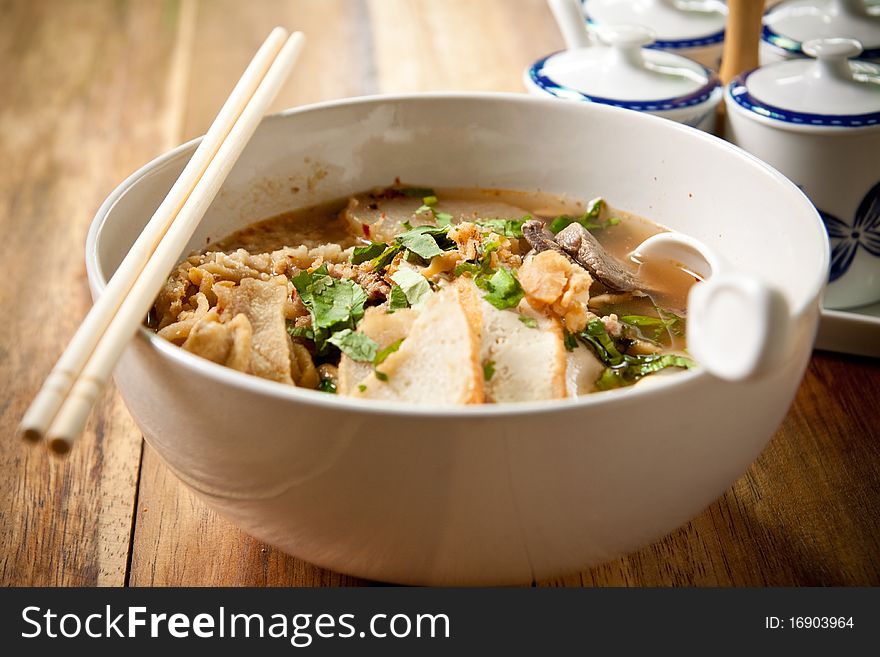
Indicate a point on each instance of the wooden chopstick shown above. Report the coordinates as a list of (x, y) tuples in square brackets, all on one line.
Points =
[(59, 382), (742, 38), (62, 406)]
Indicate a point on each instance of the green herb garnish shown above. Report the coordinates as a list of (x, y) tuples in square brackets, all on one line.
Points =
[(397, 299), (488, 370), (596, 336), (634, 368), (531, 322), (642, 321), (569, 341), (362, 387), (666, 323), (503, 290), (356, 346), (414, 286), (386, 257), (426, 241), (334, 304), (589, 219), (444, 219), (382, 354), (381, 375), (327, 385), (506, 227), (466, 268), (623, 369), (368, 252)]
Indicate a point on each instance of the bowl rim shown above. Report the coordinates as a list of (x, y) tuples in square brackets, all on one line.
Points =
[(276, 390)]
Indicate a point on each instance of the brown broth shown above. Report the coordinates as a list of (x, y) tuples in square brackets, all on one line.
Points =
[(310, 226), (321, 224)]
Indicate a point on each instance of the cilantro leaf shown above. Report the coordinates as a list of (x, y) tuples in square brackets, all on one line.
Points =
[(466, 268), (368, 252), (382, 354), (414, 286), (506, 227), (422, 245), (444, 219), (380, 375), (589, 219), (426, 241), (383, 260), (503, 290), (334, 304), (569, 341), (356, 346), (488, 370), (531, 322), (397, 299)]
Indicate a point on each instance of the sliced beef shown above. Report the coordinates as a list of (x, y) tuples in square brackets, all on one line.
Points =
[(579, 244)]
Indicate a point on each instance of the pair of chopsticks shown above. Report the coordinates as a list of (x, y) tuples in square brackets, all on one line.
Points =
[(62, 406)]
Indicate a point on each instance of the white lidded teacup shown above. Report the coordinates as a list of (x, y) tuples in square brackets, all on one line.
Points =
[(818, 122), (791, 23), (623, 73), (694, 29)]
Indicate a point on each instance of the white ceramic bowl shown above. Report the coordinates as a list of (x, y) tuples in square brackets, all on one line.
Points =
[(486, 494)]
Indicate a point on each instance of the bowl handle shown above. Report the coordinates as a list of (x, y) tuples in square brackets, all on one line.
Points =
[(736, 325)]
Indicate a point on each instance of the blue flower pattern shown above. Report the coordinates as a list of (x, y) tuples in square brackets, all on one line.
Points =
[(846, 239)]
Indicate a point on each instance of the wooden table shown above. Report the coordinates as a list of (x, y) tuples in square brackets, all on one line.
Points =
[(93, 89)]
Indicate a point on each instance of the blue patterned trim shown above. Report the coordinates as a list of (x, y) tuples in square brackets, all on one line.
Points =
[(701, 95), (794, 47), (709, 40), (740, 93)]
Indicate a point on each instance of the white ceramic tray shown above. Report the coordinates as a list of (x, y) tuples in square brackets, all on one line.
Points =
[(855, 331)]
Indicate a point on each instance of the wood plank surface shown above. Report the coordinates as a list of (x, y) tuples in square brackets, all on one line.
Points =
[(83, 104), (94, 89)]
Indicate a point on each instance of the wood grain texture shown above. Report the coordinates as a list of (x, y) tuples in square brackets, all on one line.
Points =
[(74, 76), (178, 541), (96, 89)]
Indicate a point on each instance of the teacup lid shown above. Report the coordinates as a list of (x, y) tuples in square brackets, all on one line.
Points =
[(625, 74), (829, 90), (676, 23), (790, 23)]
